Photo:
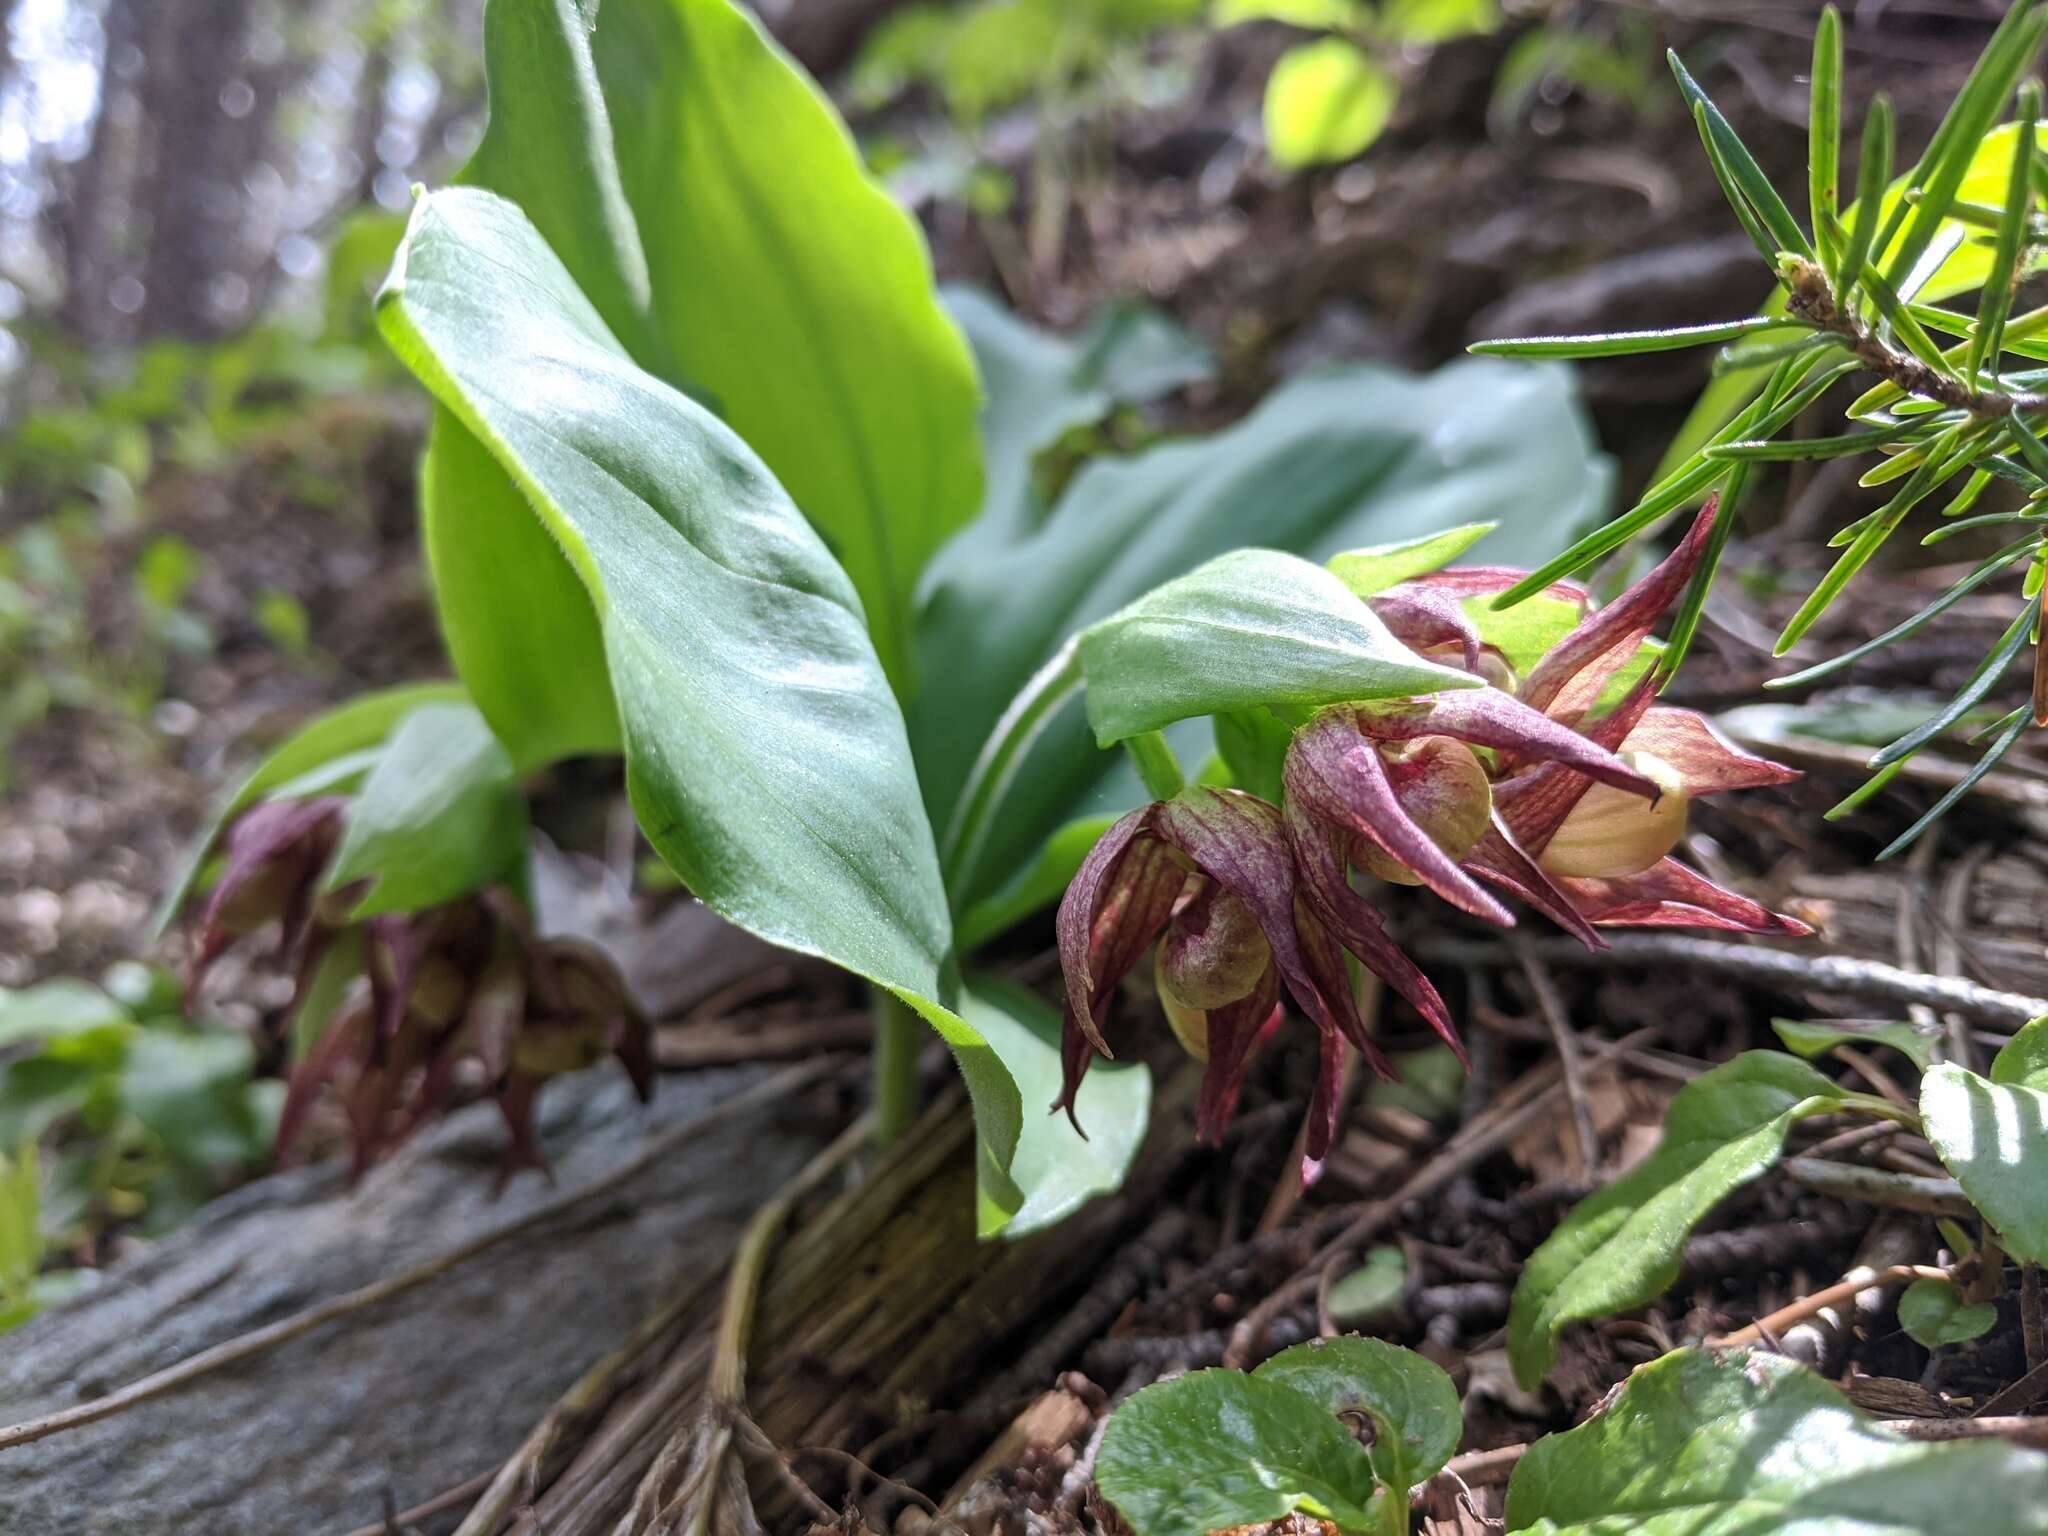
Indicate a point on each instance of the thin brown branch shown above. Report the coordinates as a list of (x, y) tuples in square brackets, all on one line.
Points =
[(1828, 1296), (1550, 1003), (1808, 297), (1881, 1186), (1790, 969), (1478, 1140)]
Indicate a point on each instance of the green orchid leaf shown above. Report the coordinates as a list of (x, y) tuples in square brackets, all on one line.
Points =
[(1736, 1445), (1034, 887), (1056, 1168), (1217, 1449), (1348, 457), (1041, 386), (1326, 102), (1416, 1416), (765, 753), (713, 209), (1816, 1037), (1993, 1136), (1934, 1313), (1620, 1249), (767, 238), (349, 731), (1252, 746), (1369, 571), (1251, 628), (439, 816)]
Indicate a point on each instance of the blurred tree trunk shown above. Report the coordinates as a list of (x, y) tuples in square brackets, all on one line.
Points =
[(195, 93), (83, 222)]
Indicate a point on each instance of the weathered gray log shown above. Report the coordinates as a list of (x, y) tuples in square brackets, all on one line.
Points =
[(407, 1398)]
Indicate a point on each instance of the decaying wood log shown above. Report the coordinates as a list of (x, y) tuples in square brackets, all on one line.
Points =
[(390, 1406)]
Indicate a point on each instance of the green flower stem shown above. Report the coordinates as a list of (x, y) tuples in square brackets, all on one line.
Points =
[(899, 1036), (1156, 764), (1021, 724)]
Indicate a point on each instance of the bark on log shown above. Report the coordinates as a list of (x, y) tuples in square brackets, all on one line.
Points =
[(391, 1406)]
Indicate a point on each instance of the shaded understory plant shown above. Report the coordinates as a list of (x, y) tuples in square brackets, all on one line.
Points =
[(1956, 409), (794, 599), (1694, 1443), (1621, 1248)]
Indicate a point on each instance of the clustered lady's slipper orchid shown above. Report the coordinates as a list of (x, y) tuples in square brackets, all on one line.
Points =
[(468, 981), (1527, 785)]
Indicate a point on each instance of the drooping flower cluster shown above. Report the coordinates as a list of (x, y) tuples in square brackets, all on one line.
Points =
[(434, 990), (1539, 786)]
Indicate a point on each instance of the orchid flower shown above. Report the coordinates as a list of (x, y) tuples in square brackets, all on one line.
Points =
[(468, 982), (1213, 871), (1527, 785), (1583, 846)]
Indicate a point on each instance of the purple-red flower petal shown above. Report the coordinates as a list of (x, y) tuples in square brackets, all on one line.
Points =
[(1670, 895), (1117, 903), (1707, 763), (1356, 924), (1236, 1031), (1487, 717), (1423, 620), (1570, 677), (1336, 776), (272, 855), (1500, 861)]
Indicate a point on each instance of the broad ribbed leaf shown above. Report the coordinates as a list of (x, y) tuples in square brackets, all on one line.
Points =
[(1041, 386), (1619, 1249), (712, 208), (1255, 627), (1361, 455), (1214, 1450), (437, 817), (794, 292), (764, 751), (1737, 1445), (346, 734)]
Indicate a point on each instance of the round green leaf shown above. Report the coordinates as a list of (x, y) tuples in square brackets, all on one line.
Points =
[(1325, 102), (1414, 1408), (1934, 1313), (1216, 1449)]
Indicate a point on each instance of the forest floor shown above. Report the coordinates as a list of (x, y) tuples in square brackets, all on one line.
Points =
[(1601, 222)]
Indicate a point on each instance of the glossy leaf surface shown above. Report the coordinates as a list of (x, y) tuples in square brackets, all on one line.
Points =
[(1620, 1248), (1699, 1445), (765, 753)]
